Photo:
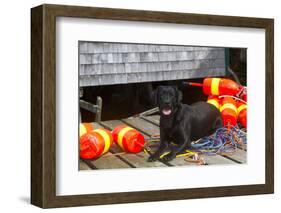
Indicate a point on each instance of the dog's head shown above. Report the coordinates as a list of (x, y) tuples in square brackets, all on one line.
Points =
[(167, 98)]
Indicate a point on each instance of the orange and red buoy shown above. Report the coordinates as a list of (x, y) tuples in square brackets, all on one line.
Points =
[(95, 143), (242, 113), (243, 94), (214, 100), (218, 86), (84, 128), (128, 138), (228, 111)]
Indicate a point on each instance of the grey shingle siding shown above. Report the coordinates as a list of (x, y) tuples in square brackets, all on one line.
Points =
[(117, 63)]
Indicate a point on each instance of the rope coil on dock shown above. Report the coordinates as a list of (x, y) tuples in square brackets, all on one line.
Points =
[(224, 141)]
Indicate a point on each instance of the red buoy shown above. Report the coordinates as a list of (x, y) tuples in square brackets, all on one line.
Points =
[(220, 86), (128, 138), (84, 128), (214, 100), (95, 143), (242, 113), (243, 95), (228, 111)]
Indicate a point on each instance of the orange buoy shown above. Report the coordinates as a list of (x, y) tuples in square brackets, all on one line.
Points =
[(214, 100), (243, 95), (128, 138), (84, 128), (95, 143), (242, 113), (228, 111), (220, 86)]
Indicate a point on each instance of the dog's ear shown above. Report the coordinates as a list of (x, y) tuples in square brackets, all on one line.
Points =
[(154, 97)]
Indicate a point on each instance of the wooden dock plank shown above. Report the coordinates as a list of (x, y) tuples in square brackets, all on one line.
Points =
[(143, 126), (155, 119), (141, 161), (217, 159), (97, 125), (83, 165), (239, 155), (209, 160), (179, 161), (109, 162)]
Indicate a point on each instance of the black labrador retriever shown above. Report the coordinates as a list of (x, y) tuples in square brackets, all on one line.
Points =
[(181, 123)]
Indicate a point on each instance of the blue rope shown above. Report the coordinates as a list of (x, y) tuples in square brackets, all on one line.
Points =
[(224, 140)]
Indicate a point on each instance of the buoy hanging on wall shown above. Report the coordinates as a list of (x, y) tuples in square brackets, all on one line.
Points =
[(95, 143), (228, 111), (128, 138), (84, 128), (214, 100), (220, 86), (242, 113)]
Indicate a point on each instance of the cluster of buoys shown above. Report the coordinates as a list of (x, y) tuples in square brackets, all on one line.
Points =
[(229, 97), (232, 111), (96, 142)]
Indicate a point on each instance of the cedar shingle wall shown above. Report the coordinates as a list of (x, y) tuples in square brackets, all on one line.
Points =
[(115, 63)]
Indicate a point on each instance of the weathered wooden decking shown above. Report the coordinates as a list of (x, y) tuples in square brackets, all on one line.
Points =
[(148, 126)]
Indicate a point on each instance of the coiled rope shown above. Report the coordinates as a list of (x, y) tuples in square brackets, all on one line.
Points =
[(224, 141)]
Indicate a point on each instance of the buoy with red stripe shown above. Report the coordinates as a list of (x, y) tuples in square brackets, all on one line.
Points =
[(128, 138), (220, 86), (228, 111), (242, 113), (84, 128), (95, 143), (214, 100)]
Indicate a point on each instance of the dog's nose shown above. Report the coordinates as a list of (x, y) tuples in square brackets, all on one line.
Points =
[(166, 99), (167, 102)]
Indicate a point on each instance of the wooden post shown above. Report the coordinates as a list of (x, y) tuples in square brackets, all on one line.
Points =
[(99, 109), (81, 92)]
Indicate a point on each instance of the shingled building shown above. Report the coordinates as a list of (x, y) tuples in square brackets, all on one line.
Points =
[(104, 63)]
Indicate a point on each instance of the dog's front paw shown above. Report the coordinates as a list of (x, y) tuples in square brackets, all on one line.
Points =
[(169, 157), (152, 158)]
